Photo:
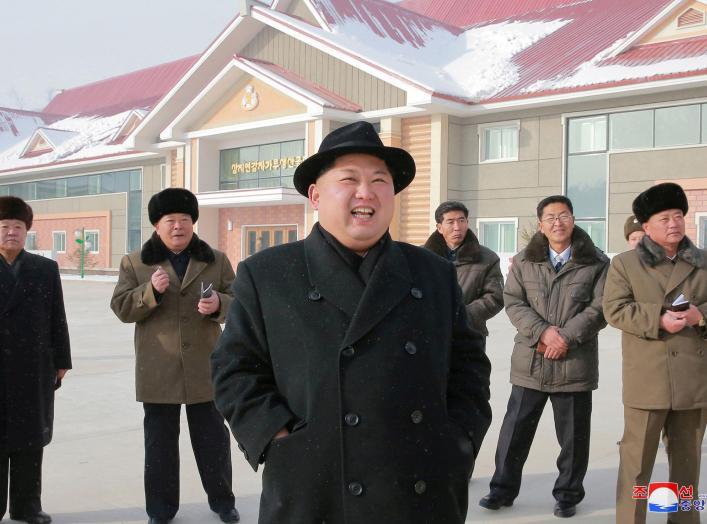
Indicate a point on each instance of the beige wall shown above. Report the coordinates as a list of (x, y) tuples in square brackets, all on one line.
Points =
[(325, 70), (513, 189)]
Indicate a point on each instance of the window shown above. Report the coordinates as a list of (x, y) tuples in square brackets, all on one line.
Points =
[(499, 142), (691, 18), (499, 235), (631, 130), (258, 238), (595, 229), (92, 241), (267, 165), (676, 126), (164, 181), (59, 241), (701, 221), (587, 134), (31, 242)]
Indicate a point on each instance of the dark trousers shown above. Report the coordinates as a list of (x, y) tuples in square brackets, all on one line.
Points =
[(572, 425), (211, 444), (23, 469)]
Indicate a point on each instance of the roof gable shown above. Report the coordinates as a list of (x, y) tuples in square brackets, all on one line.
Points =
[(45, 140), (686, 20)]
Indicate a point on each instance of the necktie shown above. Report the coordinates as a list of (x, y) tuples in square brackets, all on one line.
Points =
[(558, 264)]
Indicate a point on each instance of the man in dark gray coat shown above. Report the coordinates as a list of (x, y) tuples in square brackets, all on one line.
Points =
[(478, 268), (347, 364), (553, 298), (34, 356)]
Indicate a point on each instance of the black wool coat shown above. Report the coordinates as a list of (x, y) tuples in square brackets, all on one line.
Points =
[(384, 387), (34, 344)]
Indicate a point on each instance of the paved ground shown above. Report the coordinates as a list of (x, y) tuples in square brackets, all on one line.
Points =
[(93, 469)]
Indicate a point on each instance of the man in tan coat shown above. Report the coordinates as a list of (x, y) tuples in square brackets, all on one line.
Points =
[(177, 291), (478, 268), (663, 339)]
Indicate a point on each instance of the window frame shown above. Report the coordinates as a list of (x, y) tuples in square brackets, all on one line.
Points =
[(481, 132), (33, 235), (98, 236), (54, 241), (698, 230), (498, 220), (245, 228)]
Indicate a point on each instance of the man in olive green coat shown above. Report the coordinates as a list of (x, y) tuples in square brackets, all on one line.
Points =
[(553, 298), (478, 268), (656, 295), (177, 291)]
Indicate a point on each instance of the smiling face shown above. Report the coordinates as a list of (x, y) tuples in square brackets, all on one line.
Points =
[(355, 199), (666, 228), (557, 224), (13, 234), (175, 230)]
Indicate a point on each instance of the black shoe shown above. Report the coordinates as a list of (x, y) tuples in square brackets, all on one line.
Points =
[(154, 520), (564, 510), (38, 518), (492, 501), (229, 515)]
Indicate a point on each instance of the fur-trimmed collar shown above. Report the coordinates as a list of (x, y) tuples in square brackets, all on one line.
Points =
[(468, 253), (652, 254), (583, 249), (154, 251)]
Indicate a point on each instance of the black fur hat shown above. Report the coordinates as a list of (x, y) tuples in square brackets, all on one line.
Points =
[(13, 208), (173, 200), (659, 198)]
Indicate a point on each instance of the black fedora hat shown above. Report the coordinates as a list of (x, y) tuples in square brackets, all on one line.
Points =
[(359, 137)]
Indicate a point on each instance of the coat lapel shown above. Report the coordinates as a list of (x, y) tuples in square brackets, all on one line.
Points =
[(330, 276), (18, 292), (390, 283), (681, 271), (194, 268)]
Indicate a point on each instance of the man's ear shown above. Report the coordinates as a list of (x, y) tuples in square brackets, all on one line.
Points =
[(439, 228), (313, 194)]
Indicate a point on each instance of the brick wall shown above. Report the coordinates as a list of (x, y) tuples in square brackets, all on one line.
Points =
[(231, 242), (697, 202), (45, 225)]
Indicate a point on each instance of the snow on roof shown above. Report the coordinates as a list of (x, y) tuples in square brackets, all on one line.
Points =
[(138, 89), (469, 64), (79, 138), (17, 125), (463, 13)]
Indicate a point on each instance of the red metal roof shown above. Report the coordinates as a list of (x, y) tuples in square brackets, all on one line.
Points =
[(331, 99), (137, 90), (462, 13), (653, 53), (595, 26), (385, 19)]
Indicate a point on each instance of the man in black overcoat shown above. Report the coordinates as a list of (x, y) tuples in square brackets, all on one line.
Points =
[(347, 365), (34, 356)]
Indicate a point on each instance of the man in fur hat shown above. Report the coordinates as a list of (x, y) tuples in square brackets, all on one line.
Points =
[(478, 268), (347, 364), (553, 298), (35, 356), (656, 295), (161, 289)]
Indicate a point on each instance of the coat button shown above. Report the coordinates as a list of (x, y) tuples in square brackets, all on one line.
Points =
[(416, 416), (674, 353), (351, 419), (356, 489), (314, 295), (410, 348), (348, 351), (420, 487), (416, 292), (183, 293)]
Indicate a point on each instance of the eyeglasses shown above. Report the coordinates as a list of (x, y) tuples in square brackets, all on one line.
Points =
[(551, 219)]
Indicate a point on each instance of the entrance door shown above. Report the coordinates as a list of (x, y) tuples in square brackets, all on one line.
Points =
[(258, 238)]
